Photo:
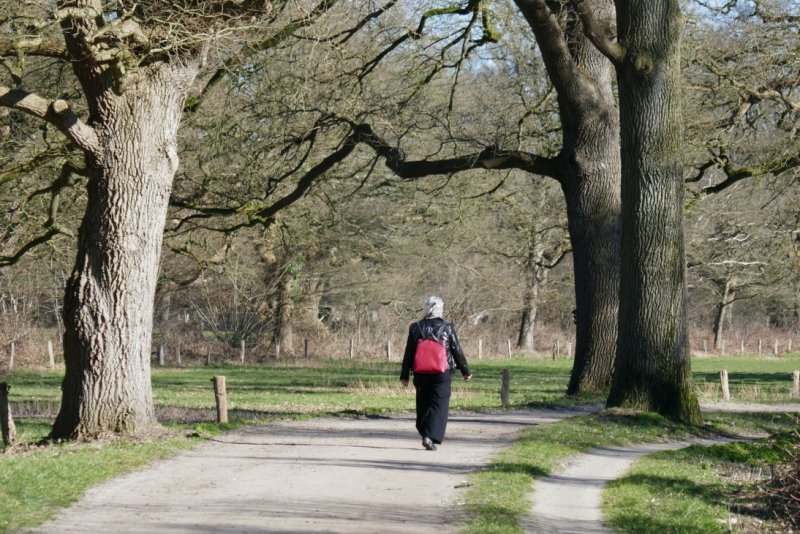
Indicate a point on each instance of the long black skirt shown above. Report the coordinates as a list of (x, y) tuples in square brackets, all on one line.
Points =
[(433, 404)]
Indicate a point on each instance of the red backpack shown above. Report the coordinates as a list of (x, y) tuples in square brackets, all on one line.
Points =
[(431, 355)]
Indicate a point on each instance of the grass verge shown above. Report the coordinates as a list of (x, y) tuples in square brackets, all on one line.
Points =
[(498, 497), (713, 489), (36, 481)]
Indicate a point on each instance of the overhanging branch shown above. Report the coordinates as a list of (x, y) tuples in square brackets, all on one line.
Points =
[(490, 158)]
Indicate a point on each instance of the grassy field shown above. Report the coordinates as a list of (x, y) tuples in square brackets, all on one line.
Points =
[(318, 386), (37, 480)]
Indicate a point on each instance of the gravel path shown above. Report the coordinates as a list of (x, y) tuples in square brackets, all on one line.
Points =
[(324, 475), (366, 475)]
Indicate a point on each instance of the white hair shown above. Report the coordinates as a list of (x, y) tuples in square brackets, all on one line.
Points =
[(434, 308)]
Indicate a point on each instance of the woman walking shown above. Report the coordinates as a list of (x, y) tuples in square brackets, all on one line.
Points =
[(433, 353)]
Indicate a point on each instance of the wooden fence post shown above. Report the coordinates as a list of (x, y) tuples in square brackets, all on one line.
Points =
[(759, 346), (505, 387), (12, 349), (389, 349), (50, 355), (726, 392), (221, 396), (509, 349), (775, 351), (705, 345), (277, 350), (161, 354), (241, 349), (7, 427), (569, 350), (305, 348), (352, 348), (742, 350), (480, 348), (178, 354), (796, 384), (789, 347)]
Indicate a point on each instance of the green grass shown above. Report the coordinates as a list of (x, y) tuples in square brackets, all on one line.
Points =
[(322, 387), (36, 481), (751, 378), (698, 489), (498, 496)]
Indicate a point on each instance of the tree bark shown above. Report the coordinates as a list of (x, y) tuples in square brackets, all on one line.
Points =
[(108, 305), (653, 367), (723, 313), (535, 277), (283, 334), (589, 173), (529, 307)]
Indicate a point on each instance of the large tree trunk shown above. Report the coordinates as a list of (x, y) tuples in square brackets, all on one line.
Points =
[(589, 177), (591, 188), (108, 306), (653, 367)]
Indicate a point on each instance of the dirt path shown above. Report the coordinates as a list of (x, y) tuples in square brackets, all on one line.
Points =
[(324, 475), (569, 502)]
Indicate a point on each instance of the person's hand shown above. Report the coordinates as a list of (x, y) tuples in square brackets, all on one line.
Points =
[(404, 381), (467, 378)]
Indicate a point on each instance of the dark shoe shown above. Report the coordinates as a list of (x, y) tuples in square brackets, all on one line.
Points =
[(428, 444)]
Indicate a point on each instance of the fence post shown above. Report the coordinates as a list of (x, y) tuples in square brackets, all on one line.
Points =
[(305, 348), (569, 350), (789, 347), (504, 387), (480, 348), (352, 348), (178, 355), (742, 351), (50, 355), (705, 345), (220, 395), (509, 349), (208, 354), (796, 384), (726, 392), (759, 346), (241, 349), (7, 427), (776, 347), (12, 349), (389, 349), (161, 354), (277, 350)]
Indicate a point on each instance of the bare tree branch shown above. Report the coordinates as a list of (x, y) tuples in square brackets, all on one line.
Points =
[(56, 112), (33, 46), (737, 174), (489, 158)]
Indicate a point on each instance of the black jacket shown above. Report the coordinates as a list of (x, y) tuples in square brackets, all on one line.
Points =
[(425, 329)]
